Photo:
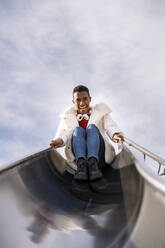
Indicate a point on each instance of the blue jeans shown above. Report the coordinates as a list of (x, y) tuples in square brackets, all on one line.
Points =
[(88, 143)]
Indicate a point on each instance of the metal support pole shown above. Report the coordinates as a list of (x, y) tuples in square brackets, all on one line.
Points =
[(145, 152)]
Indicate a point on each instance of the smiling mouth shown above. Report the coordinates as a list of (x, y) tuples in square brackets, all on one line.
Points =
[(83, 107)]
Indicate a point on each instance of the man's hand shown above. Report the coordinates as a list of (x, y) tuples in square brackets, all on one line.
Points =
[(56, 143), (118, 137)]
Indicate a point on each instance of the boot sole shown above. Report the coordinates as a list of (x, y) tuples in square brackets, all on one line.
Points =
[(102, 187), (80, 187), (81, 177), (95, 176)]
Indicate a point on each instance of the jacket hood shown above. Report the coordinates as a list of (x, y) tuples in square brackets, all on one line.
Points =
[(101, 107)]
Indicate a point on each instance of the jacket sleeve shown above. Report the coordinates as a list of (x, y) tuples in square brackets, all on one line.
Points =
[(110, 126), (61, 132)]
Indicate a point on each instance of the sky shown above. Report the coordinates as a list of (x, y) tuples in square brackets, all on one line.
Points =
[(47, 47)]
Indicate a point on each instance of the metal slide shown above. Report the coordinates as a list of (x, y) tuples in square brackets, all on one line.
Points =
[(39, 209)]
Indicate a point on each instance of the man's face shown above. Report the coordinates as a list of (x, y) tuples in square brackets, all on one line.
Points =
[(81, 102)]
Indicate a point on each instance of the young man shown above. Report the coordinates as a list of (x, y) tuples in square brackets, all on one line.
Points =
[(84, 131)]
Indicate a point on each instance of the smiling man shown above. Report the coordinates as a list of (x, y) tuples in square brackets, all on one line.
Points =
[(85, 131)]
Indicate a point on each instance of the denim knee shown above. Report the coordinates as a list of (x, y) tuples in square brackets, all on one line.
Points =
[(78, 131), (92, 128)]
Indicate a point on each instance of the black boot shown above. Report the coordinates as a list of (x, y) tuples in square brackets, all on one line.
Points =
[(94, 172), (81, 173), (80, 186), (100, 185)]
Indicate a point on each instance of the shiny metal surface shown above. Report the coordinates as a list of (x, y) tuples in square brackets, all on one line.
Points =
[(39, 209), (145, 151), (149, 228)]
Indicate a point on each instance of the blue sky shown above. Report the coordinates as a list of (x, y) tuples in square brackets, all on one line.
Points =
[(116, 48)]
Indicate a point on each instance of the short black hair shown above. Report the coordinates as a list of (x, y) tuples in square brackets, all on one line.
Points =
[(80, 88)]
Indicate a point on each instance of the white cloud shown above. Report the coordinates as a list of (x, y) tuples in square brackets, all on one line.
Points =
[(116, 48)]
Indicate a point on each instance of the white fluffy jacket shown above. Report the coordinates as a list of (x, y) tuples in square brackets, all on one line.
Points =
[(100, 116)]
